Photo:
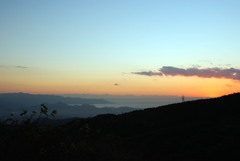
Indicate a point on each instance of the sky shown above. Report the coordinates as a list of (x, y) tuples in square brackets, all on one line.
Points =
[(120, 47)]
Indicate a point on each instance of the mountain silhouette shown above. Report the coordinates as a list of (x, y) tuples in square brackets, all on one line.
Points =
[(17, 102), (37, 99), (198, 130), (82, 111)]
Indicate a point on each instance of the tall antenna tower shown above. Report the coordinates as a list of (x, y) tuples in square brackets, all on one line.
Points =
[(183, 98)]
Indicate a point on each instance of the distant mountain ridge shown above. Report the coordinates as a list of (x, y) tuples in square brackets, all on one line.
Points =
[(82, 111), (17, 102), (34, 99)]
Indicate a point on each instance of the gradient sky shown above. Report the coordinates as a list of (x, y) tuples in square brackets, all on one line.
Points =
[(98, 46)]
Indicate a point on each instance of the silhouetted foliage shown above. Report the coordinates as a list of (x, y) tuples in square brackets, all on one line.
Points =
[(195, 130)]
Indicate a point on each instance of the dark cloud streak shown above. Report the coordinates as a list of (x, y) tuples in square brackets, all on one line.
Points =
[(149, 73), (228, 73), (17, 67), (21, 67)]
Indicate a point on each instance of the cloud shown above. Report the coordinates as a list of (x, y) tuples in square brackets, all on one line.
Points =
[(149, 73), (20, 67), (228, 73), (17, 67), (3, 66)]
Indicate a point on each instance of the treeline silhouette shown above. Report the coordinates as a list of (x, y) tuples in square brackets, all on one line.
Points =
[(199, 130)]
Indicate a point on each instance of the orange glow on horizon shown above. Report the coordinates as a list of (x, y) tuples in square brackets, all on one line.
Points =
[(133, 85)]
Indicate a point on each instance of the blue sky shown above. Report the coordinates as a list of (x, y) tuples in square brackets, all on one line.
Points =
[(110, 37)]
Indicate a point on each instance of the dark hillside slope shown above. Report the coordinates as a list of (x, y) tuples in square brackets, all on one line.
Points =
[(196, 130), (218, 110)]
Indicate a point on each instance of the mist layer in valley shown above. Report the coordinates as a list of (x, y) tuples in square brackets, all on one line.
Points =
[(142, 101)]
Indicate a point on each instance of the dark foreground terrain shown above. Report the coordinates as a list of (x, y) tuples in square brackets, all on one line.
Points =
[(203, 130)]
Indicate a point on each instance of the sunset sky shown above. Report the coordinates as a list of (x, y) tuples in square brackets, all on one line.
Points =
[(139, 47)]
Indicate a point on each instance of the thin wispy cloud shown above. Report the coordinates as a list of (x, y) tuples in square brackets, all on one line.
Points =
[(21, 67), (216, 72), (3, 66), (16, 67), (148, 73)]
